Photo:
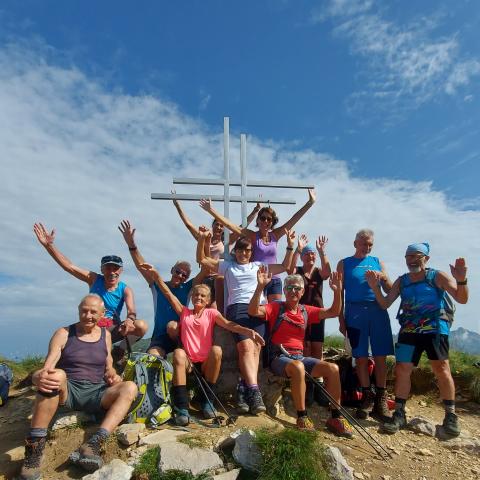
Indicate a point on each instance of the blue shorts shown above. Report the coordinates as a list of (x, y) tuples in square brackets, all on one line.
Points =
[(238, 313), (274, 287), (410, 347), (280, 362), (367, 321), (164, 342)]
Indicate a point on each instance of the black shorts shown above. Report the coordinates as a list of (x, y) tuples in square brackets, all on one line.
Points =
[(316, 332), (164, 342), (410, 346), (238, 313)]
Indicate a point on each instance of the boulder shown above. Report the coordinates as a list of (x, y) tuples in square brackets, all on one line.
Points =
[(161, 437), (115, 470), (72, 418), (422, 425), (129, 433), (337, 465), (246, 453)]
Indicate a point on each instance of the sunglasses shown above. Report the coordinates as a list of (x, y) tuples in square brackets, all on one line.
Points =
[(246, 249), (181, 273), (294, 288), (263, 218)]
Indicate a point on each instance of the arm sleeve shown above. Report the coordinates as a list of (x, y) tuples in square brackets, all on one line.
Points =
[(313, 314)]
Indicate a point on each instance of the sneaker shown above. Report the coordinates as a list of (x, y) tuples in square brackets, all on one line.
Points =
[(255, 401), (207, 409), (88, 456), (339, 427), (305, 424), (242, 405), (33, 459), (182, 417), (396, 422), (366, 405), (380, 406), (450, 424)]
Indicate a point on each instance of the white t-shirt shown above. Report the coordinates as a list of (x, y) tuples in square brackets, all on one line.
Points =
[(241, 281)]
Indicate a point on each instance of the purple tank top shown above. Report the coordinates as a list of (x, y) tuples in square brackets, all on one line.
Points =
[(84, 360), (265, 253)]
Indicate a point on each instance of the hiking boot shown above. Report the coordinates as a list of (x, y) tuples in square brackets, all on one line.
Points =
[(33, 459), (397, 421), (305, 424), (380, 406), (207, 409), (309, 394), (182, 417), (363, 410), (450, 424), (255, 401), (242, 405), (339, 427), (88, 456)]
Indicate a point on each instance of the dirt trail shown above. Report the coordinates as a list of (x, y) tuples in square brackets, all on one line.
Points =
[(414, 456)]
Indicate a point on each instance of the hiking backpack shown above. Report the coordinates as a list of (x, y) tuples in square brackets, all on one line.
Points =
[(351, 395), (153, 377), (6, 379), (446, 313)]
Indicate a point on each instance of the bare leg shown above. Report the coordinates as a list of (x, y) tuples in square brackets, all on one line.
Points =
[(157, 351), (441, 369), (181, 365), (296, 372), (403, 371), (248, 358), (362, 371), (117, 400), (381, 371), (211, 366)]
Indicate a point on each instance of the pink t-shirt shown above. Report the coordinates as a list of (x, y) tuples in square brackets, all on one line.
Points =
[(196, 333)]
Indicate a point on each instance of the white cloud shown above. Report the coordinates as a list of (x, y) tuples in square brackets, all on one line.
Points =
[(406, 65), (80, 158)]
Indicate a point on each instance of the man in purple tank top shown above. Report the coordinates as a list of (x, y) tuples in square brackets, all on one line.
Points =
[(86, 381)]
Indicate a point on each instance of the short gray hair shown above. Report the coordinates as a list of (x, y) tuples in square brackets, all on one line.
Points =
[(364, 233), (183, 262), (296, 279), (92, 295)]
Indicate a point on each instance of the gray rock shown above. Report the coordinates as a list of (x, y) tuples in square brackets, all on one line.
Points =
[(129, 433), (231, 475), (72, 418), (115, 470), (468, 445), (422, 425), (245, 452), (178, 456), (337, 465), (161, 437), (228, 442)]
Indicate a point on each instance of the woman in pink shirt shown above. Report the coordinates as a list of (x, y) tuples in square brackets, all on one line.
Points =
[(196, 337)]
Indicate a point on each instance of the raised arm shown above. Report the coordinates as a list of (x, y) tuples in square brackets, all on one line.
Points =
[(289, 224), (202, 259), (251, 216), (301, 244), (221, 321), (263, 278), (385, 281), (186, 221), (172, 299), (128, 233), (374, 280), (456, 286), (336, 285), (282, 267), (47, 239), (206, 204), (325, 268)]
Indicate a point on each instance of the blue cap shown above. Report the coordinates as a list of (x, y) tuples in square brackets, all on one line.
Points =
[(423, 248), (307, 249)]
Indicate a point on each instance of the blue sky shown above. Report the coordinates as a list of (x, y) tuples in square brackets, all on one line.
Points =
[(374, 102)]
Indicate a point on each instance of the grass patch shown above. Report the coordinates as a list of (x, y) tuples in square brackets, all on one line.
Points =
[(290, 455), (23, 368), (195, 441)]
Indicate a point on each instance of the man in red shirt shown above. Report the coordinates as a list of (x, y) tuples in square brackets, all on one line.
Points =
[(288, 322)]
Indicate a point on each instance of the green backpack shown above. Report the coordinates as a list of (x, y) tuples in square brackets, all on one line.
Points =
[(153, 377)]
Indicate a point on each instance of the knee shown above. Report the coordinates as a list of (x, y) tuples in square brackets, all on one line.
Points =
[(402, 370), (296, 369), (442, 370), (245, 348), (361, 362), (141, 327), (216, 353), (129, 390), (179, 357)]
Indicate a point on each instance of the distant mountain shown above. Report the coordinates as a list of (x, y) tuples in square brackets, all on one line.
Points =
[(464, 340)]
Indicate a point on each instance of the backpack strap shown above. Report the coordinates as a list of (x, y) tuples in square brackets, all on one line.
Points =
[(282, 317)]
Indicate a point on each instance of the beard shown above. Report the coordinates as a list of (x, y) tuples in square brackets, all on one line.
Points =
[(414, 268)]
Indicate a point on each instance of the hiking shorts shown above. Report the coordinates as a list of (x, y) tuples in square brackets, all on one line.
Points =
[(280, 362), (164, 342), (316, 332), (410, 346), (238, 313), (273, 287), (366, 324), (85, 396)]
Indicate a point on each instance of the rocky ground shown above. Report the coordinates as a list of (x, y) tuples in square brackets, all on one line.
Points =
[(414, 456)]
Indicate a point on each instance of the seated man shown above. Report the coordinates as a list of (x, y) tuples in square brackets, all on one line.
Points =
[(425, 318), (108, 286), (78, 372), (290, 332)]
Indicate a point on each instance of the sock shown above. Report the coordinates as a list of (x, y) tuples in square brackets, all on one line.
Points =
[(301, 413), (449, 406), (336, 413), (400, 404), (180, 396), (37, 433), (99, 437), (253, 386)]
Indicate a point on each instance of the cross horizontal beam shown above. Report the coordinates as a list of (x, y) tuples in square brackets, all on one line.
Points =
[(220, 198), (250, 183)]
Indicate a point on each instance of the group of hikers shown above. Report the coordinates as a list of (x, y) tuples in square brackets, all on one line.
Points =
[(79, 368)]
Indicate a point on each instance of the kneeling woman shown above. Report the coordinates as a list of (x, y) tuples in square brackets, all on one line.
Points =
[(196, 335), (288, 322)]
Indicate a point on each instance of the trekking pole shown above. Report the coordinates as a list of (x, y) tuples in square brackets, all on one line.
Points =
[(372, 441), (203, 383)]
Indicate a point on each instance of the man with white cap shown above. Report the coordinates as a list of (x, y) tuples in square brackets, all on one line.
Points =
[(425, 316)]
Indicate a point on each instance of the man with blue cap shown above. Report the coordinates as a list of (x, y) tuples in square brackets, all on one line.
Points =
[(425, 316)]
